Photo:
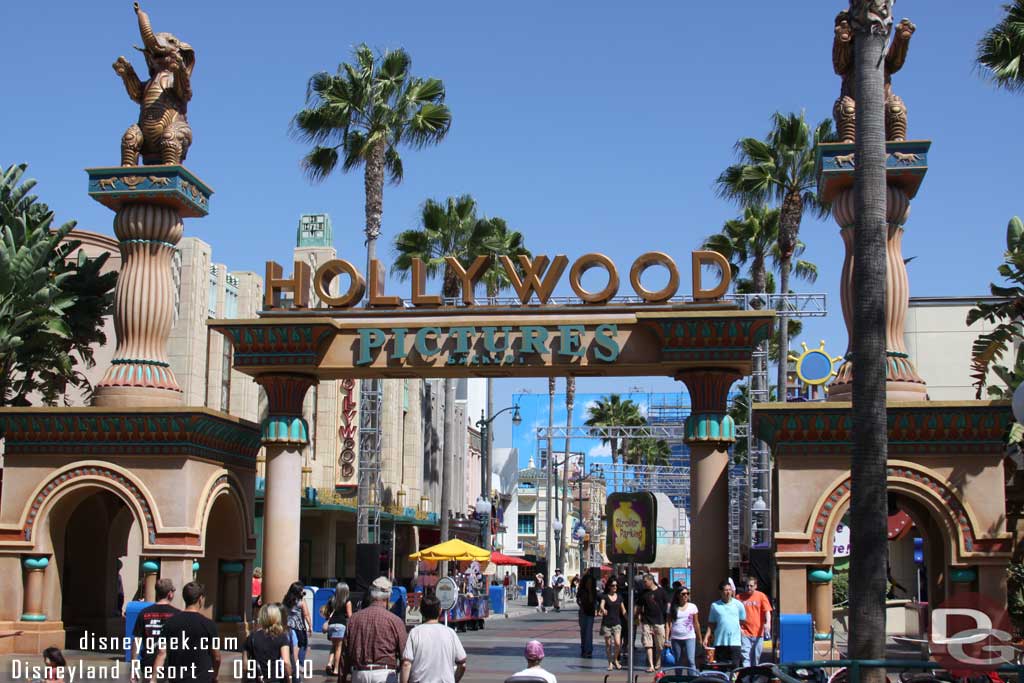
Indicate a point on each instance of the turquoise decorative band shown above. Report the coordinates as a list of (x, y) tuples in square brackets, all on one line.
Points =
[(823, 636), (157, 242), (710, 427), (139, 361), (285, 429), (232, 568), (150, 567), (195, 566), (963, 575), (36, 562), (33, 617), (819, 575)]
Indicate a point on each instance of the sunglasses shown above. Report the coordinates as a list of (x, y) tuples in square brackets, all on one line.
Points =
[(684, 592)]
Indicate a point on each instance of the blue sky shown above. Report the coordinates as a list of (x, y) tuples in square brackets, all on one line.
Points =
[(589, 126)]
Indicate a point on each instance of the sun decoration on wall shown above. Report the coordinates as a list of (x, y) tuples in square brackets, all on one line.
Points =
[(815, 366)]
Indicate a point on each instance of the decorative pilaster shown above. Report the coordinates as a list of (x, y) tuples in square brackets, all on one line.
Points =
[(820, 581), (285, 434), (230, 600), (150, 571), (906, 165), (35, 572), (150, 203), (709, 421), (709, 432)]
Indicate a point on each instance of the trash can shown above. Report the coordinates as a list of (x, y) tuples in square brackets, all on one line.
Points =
[(497, 599), (131, 615), (795, 638)]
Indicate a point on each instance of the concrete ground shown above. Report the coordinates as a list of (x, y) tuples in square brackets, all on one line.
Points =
[(494, 653)]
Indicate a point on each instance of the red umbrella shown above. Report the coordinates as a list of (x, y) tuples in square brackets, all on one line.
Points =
[(502, 559)]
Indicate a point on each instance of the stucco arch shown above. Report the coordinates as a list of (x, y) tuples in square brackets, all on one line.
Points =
[(925, 487), (225, 483), (92, 474)]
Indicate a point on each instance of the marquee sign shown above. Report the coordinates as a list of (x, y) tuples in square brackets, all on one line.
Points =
[(653, 333)]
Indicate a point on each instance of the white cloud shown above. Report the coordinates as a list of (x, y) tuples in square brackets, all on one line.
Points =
[(601, 450)]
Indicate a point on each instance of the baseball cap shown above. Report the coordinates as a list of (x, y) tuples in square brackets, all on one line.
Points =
[(382, 583), (534, 650)]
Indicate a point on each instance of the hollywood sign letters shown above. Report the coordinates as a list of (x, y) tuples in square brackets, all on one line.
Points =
[(536, 277)]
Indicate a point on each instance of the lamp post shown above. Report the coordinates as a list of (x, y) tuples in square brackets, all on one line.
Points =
[(484, 425)]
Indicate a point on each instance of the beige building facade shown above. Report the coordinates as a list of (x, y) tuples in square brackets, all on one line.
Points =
[(939, 340)]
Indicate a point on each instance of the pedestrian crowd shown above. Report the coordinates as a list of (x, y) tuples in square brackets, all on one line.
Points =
[(668, 622)]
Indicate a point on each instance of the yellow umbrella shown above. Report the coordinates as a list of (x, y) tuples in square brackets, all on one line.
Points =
[(455, 549)]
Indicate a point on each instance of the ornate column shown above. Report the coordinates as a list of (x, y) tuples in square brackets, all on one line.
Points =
[(150, 571), (285, 434), (709, 433), (35, 572), (906, 165), (820, 581), (230, 602), (150, 203)]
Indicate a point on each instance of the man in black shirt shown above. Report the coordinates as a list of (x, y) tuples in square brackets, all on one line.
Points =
[(148, 626), (650, 610), (188, 648)]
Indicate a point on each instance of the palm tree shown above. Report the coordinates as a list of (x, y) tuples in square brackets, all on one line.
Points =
[(647, 450), (612, 411), (1001, 49), (753, 239), (360, 116), (499, 240), (53, 299), (446, 229), (748, 240), (780, 168), (869, 558), (1004, 316)]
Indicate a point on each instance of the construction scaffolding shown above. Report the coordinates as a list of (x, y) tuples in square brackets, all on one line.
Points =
[(371, 491)]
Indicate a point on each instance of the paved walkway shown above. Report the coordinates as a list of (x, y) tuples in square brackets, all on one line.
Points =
[(494, 653)]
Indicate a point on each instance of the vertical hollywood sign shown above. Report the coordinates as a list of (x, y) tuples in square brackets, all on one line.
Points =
[(346, 472)]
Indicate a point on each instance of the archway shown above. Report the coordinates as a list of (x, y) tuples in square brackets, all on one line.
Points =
[(224, 569), (93, 587)]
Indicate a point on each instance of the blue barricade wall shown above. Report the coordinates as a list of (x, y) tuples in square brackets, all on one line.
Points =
[(131, 614), (498, 599), (796, 638), (320, 598)]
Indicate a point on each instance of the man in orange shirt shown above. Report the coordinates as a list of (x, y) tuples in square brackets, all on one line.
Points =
[(756, 628)]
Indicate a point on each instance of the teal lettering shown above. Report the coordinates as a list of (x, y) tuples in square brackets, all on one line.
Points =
[(421, 342), (489, 343), (369, 338), (569, 342), (399, 352), (463, 337), (606, 349), (535, 339)]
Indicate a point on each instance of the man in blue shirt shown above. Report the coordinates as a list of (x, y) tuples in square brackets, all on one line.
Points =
[(725, 617)]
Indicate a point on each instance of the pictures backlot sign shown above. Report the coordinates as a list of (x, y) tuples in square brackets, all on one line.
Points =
[(381, 333)]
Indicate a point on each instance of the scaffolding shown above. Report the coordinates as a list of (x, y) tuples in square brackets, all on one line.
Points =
[(370, 492)]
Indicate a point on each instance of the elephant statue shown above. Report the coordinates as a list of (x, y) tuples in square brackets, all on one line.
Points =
[(162, 134)]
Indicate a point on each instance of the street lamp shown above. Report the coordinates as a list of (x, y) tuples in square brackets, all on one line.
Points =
[(484, 425)]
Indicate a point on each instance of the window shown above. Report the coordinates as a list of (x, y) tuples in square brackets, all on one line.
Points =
[(527, 525)]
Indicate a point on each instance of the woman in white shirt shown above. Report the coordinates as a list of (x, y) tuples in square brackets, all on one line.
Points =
[(683, 625)]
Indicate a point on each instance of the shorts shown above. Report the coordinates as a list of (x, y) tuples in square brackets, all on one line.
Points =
[(653, 635), (609, 631), (335, 631)]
